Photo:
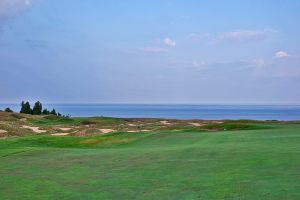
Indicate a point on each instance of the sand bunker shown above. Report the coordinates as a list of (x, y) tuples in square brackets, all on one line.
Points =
[(137, 131), (165, 122), (107, 130), (60, 134), (34, 129), (132, 125), (195, 124), (65, 129)]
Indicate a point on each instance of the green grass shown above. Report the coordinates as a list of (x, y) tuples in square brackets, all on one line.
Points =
[(240, 164)]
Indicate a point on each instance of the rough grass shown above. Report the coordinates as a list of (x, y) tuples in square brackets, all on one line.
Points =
[(12, 124), (240, 164), (42, 141), (54, 120)]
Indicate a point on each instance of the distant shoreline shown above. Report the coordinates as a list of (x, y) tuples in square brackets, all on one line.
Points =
[(184, 112)]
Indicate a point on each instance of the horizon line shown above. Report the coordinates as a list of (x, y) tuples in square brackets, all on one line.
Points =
[(163, 103)]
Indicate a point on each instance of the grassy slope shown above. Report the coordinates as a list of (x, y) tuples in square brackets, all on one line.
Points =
[(243, 164)]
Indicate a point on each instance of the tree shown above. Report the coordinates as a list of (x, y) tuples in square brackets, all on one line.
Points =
[(46, 112), (25, 108), (28, 108), (37, 108), (53, 112), (22, 107), (8, 110)]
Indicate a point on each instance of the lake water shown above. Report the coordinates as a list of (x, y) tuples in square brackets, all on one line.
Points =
[(175, 111)]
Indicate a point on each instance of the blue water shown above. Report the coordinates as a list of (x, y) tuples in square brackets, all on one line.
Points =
[(175, 111)]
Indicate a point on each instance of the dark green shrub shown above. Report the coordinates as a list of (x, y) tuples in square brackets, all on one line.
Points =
[(53, 112), (51, 117), (46, 112), (8, 110), (86, 122)]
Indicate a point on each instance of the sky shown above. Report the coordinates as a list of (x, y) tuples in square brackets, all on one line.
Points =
[(158, 51)]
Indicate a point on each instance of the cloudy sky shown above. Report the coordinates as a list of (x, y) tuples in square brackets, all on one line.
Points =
[(138, 51)]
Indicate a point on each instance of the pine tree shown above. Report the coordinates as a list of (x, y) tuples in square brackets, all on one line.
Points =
[(37, 109), (27, 109), (53, 112), (22, 107), (46, 112)]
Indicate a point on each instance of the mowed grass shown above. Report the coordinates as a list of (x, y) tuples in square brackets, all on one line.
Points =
[(240, 164)]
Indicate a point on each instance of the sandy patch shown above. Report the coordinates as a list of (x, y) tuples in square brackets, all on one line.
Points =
[(34, 129), (79, 133), (217, 122), (165, 122), (3, 131), (60, 134), (137, 131), (65, 129), (132, 125), (195, 124), (107, 130)]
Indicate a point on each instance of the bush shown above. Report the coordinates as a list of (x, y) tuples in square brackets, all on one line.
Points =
[(17, 116), (8, 110), (53, 112), (46, 112), (86, 122), (51, 117)]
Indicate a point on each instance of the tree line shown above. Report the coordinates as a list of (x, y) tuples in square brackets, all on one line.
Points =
[(36, 110)]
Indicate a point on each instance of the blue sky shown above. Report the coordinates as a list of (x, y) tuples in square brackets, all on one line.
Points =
[(138, 51)]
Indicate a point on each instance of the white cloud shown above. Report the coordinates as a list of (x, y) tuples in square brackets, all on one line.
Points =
[(259, 62), (198, 36), (198, 64), (287, 67), (169, 42), (10, 8), (28, 2), (154, 50), (281, 54), (246, 35), (13, 7)]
